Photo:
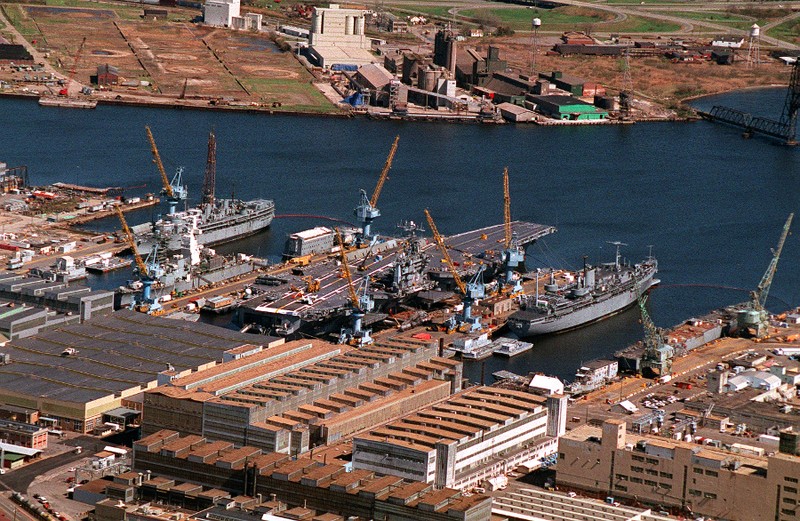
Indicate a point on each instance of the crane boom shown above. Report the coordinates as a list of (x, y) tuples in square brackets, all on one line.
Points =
[(445, 255), (384, 173), (159, 164), (131, 242), (73, 70), (761, 293), (346, 270), (506, 208)]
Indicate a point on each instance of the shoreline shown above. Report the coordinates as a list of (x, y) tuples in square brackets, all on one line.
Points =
[(175, 104)]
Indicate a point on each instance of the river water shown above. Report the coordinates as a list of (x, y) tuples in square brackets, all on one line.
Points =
[(709, 202)]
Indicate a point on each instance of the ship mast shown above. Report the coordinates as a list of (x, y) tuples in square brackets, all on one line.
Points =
[(210, 178)]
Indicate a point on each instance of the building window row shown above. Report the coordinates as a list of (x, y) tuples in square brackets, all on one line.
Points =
[(638, 470), (637, 458), (622, 477), (790, 490), (652, 461), (790, 480), (667, 475), (621, 488), (651, 472)]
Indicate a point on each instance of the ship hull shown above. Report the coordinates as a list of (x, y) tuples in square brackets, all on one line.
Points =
[(581, 314)]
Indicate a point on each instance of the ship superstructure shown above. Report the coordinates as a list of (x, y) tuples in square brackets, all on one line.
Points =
[(574, 299)]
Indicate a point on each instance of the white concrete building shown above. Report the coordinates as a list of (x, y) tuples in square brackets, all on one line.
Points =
[(475, 435), (338, 37), (248, 22), (220, 13)]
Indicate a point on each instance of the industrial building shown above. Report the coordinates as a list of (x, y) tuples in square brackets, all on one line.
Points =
[(302, 393), (23, 434), (309, 242), (316, 486), (472, 436), (57, 296), (220, 13), (75, 373), (338, 37), (566, 108), (106, 75), (700, 479)]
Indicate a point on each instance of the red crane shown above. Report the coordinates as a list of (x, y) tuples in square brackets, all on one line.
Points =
[(65, 90)]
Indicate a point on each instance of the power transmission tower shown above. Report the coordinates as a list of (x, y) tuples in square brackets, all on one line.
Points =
[(626, 94)]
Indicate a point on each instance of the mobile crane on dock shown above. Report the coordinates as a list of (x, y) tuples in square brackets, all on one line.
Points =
[(175, 191), (361, 303), (367, 211), (754, 320), (513, 255), (472, 291), (147, 271)]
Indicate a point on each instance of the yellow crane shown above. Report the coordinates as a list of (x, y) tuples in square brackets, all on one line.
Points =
[(472, 291), (175, 191), (130, 240), (366, 211), (157, 160), (355, 334), (346, 271), (445, 255), (384, 173), (506, 208), (147, 276)]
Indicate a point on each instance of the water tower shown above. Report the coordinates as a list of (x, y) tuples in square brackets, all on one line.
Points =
[(754, 47), (535, 24)]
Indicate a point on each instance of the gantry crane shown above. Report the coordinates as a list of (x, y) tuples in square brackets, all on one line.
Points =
[(73, 70), (366, 211), (513, 255), (147, 270), (360, 301), (755, 320), (174, 191), (472, 291), (658, 355)]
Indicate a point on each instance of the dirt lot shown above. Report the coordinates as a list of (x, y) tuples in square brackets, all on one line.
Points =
[(655, 77), (170, 56)]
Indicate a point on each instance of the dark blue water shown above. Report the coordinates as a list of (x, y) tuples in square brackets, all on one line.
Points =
[(711, 203)]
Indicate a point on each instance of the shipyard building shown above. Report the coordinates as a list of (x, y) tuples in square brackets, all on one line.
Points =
[(75, 374), (303, 393), (700, 479), (461, 441), (316, 486), (338, 37)]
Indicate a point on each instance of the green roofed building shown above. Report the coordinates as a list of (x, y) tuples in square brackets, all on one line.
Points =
[(565, 108)]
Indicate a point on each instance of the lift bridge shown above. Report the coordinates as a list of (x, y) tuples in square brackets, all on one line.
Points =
[(784, 129)]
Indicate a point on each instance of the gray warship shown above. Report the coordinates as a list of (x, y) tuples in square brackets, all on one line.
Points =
[(585, 296), (215, 220)]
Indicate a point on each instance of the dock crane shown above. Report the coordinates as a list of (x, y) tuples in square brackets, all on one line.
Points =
[(174, 191), (754, 320), (366, 211), (73, 70), (513, 255), (360, 301), (658, 355), (148, 270), (472, 291)]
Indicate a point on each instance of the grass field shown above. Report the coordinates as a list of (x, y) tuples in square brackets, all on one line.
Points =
[(639, 24), (292, 94), (710, 16), (520, 18), (24, 24), (431, 10), (787, 31)]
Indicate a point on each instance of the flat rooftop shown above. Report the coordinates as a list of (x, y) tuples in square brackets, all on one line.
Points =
[(113, 353)]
